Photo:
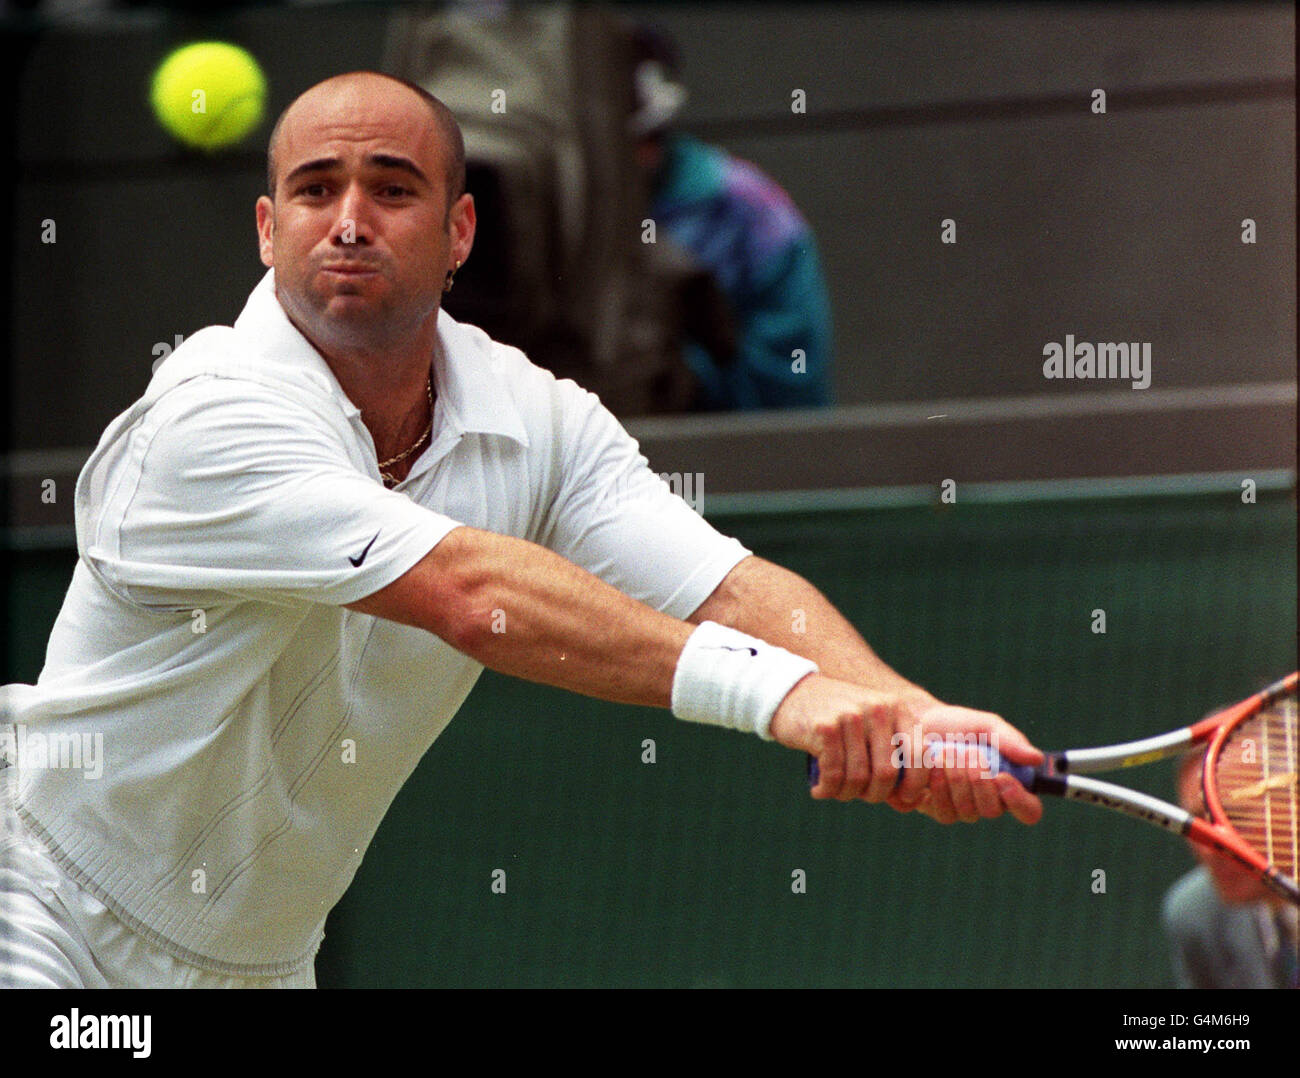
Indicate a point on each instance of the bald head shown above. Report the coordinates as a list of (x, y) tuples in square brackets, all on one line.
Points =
[(366, 220), (312, 100)]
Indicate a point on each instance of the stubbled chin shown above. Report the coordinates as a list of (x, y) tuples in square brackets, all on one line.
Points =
[(330, 291)]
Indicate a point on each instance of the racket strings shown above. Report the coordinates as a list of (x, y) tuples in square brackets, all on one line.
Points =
[(1258, 780)]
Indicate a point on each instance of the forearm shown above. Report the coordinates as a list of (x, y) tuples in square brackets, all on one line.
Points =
[(524, 611), (781, 607)]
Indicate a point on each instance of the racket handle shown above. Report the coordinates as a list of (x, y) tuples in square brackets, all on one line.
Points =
[(1025, 774)]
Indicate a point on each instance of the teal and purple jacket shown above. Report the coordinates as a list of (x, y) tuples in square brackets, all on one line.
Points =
[(742, 227)]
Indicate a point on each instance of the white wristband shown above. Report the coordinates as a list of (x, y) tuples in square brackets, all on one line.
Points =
[(727, 678)]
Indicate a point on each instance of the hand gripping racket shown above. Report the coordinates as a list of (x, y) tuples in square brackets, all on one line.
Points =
[(1250, 777)]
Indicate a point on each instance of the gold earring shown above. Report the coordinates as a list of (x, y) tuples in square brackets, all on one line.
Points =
[(451, 278)]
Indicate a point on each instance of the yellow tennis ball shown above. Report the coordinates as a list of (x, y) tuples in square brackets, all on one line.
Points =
[(209, 95)]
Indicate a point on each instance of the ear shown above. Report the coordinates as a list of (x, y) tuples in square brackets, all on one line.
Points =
[(265, 230), (461, 223)]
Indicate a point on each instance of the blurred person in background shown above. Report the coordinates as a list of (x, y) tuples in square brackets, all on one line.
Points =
[(1225, 928), (562, 269), (739, 225)]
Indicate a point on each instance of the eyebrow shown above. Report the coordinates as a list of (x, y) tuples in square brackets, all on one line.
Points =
[(375, 160)]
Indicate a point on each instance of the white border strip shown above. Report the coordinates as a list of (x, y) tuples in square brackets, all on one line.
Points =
[(44, 462), (777, 502), (968, 410), (770, 502)]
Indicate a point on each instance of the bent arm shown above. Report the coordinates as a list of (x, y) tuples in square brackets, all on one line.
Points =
[(522, 610)]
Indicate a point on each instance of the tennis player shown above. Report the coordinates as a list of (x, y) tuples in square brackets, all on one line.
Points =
[(1225, 928), (300, 548)]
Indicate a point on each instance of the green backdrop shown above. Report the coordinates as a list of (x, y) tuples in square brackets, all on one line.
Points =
[(679, 872)]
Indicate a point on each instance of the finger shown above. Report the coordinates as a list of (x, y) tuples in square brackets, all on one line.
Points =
[(1012, 744), (896, 802), (915, 780), (830, 766), (996, 730), (938, 805), (884, 775), (857, 759), (988, 799), (963, 796), (950, 764), (1024, 806)]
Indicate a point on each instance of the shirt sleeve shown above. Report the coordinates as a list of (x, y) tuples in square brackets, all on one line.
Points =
[(624, 523), (1187, 915), (228, 490)]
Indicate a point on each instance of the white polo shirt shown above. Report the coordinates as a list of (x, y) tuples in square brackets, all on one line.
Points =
[(253, 731)]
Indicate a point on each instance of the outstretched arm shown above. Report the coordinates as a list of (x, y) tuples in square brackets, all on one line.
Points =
[(522, 610)]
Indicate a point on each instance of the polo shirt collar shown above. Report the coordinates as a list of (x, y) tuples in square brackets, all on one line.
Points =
[(474, 396), (471, 385)]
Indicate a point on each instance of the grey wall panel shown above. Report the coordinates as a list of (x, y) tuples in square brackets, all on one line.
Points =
[(1123, 226), (742, 59)]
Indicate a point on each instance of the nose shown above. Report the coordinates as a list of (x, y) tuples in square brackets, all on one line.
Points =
[(353, 224)]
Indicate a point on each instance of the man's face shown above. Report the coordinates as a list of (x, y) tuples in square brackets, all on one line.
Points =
[(1234, 884), (360, 233)]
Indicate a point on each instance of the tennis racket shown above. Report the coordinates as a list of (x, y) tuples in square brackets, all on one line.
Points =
[(1251, 781)]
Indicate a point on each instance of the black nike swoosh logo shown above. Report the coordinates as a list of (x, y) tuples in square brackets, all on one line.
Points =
[(356, 562), (752, 651)]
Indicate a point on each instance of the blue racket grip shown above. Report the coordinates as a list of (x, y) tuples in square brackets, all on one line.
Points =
[(1025, 774)]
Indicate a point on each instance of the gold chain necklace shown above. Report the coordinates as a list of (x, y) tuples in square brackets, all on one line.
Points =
[(392, 480)]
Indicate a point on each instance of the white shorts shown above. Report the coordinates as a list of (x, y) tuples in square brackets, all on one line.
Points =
[(53, 934)]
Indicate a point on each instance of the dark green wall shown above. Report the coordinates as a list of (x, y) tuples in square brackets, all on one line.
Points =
[(679, 873)]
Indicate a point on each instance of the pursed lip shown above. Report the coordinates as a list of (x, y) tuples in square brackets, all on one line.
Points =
[(350, 269)]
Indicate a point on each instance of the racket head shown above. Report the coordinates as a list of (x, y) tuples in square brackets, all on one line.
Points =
[(1251, 783)]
